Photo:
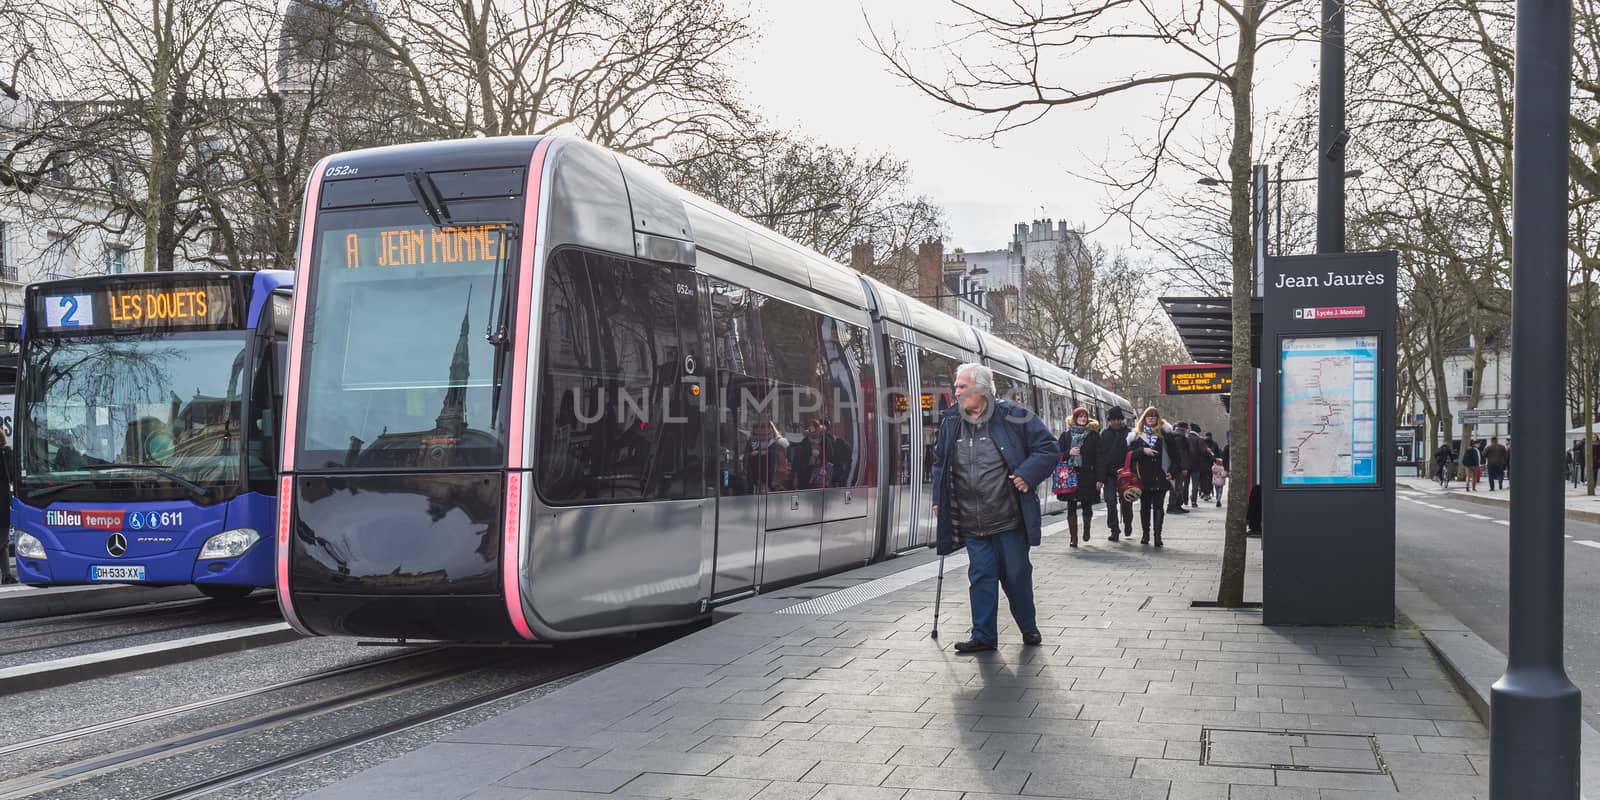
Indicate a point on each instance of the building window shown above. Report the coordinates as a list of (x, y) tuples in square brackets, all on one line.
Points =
[(55, 256), (1466, 381), (8, 265), (116, 259)]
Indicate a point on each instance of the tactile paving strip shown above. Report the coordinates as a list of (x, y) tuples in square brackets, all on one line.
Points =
[(860, 593)]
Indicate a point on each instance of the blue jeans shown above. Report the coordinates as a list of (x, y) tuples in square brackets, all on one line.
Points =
[(1002, 557)]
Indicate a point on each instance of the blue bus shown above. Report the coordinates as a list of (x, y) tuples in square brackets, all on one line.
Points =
[(147, 422)]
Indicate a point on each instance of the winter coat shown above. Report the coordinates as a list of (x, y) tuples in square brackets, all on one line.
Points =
[(1028, 448), (1091, 469), (1113, 452), (1153, 470), (1197, 457)]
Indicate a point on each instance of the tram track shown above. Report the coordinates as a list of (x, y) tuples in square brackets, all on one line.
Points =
[(269, 735), (49, 640)]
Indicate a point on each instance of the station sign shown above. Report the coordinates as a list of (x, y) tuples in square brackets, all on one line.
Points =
[(1196, 379), (1483, 416)]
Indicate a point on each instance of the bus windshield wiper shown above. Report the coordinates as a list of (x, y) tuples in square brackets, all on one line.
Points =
[(162, 471), (46, 491)]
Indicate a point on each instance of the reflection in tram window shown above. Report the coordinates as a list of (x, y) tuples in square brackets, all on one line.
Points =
[(938, 394), (899, 415), (610, 389)]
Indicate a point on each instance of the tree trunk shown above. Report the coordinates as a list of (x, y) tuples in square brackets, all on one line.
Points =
[(1230, 589), (161, 78)]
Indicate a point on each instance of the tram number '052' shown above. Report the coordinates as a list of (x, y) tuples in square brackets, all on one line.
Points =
[(152, 520)]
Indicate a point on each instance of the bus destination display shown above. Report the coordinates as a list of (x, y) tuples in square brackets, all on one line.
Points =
[(386, 248), (1197, 379), (142, 306)]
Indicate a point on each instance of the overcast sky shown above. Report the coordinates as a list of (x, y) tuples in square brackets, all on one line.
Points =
[(813, 71)]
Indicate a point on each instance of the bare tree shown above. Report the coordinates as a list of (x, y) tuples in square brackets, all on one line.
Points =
[(1015, 66), (782, 181), (637, 76)]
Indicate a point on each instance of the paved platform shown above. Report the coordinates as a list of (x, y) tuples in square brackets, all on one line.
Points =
[(1135, 695)]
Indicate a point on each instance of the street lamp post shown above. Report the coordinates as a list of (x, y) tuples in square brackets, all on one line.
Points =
[(1535, 720)]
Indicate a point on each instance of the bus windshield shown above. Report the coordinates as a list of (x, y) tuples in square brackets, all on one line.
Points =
[(160, 408), (403, 346)]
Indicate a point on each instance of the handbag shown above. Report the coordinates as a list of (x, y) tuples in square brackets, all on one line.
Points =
[(1128, 481), (1066, 479)]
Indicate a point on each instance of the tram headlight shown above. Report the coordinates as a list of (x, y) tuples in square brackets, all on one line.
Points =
[(230, 544), (28, 546)]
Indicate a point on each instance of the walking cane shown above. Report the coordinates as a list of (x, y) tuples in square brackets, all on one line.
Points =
[(938, 594)]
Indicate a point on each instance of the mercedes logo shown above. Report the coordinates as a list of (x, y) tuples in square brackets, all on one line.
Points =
[(116, 545)]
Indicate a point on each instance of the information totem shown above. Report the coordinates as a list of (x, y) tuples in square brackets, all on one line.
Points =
[(1327, 414)]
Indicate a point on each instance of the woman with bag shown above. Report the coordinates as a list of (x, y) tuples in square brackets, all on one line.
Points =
[(1153, 464), (1075, 479)]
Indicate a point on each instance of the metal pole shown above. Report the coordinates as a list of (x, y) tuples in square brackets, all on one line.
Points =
[(1258, 199), (1331, 134), (1535, 710), (1278, 223)]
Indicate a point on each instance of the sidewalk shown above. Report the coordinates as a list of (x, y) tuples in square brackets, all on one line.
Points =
[(1580, 505), (1133, 696)]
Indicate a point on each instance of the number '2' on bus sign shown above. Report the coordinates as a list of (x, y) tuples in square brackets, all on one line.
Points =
[(68, 311)]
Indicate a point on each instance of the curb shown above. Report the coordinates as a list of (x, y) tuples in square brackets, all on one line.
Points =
[(114, 662), (50, 601), (1474, 665), (1575, 514)]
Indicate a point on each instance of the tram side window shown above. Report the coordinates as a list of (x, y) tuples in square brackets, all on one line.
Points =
[(610, 384), (937, 394), (850, 384), (754, 452), (1012, 388), (899, 414), (799, 400)]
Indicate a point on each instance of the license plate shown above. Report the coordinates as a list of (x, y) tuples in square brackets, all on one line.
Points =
[(118, 573)]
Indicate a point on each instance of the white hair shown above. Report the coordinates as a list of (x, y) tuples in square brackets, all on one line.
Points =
[(982, 377)]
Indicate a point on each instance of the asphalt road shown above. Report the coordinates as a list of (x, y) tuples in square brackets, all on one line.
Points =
[(1457, 552)]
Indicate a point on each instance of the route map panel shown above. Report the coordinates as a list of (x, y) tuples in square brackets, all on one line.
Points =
[(1329, 411)]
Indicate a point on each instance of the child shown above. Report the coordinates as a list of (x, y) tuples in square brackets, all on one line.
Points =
[(1219, 476)]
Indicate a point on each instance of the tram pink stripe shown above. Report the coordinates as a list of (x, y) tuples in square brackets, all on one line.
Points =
[(522, 333), (511, 538), (291, 416)]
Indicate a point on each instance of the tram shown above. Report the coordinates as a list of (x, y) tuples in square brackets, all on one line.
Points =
[(147, 429), (538, 393)]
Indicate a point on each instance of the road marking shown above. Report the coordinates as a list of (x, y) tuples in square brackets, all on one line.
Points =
[(1431, 505), (1587, 543), (1479, 516), (1456, 511), (1507, 523)]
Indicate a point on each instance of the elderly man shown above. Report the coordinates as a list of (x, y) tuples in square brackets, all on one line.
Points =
[(989, 455)]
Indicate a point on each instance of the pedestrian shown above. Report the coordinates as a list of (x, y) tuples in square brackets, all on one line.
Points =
[(1213, 451), (1080, 451), (988, 455), (1575, 463), (1496, 457), (1198, 466), (1219, 477), (1176, 439), (1443, 459), (1471, 459), (1113, 456), (1152, 447), (7, 483)]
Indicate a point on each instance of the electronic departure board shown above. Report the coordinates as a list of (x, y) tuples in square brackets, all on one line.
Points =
[(429, 247), (1197, 379), (160, 304)]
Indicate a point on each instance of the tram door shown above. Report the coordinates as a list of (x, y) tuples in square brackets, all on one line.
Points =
[(749, 455), (901, 411)]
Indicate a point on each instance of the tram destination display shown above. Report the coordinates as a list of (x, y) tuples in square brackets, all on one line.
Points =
[(1197, 379), (167, 303)]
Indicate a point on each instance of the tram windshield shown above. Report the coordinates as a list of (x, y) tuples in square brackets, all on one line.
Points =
[(405, 337), (160, 410)]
